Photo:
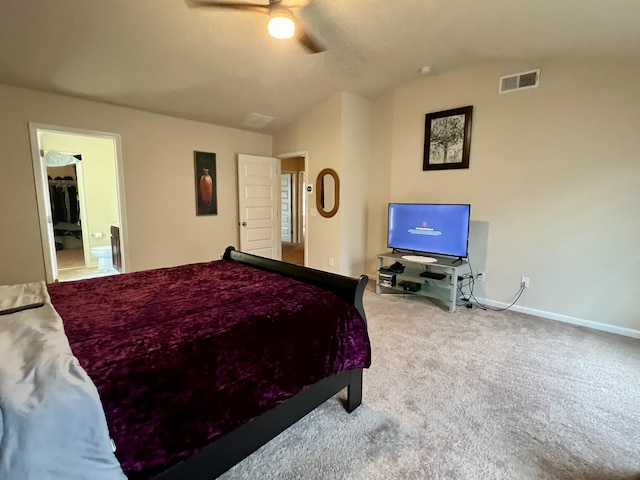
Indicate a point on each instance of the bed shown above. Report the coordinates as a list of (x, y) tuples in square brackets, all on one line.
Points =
[(198, 366)]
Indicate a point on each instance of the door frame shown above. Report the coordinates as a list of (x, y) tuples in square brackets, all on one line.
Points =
[(293, 212), (305, 155), (42, 193)]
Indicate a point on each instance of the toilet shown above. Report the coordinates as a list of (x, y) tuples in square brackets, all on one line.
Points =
[(105, 261)]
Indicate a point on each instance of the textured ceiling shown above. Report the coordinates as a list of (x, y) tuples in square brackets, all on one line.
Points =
[(219, 66)]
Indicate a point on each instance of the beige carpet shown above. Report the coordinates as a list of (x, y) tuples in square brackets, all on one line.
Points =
[(474, 395)]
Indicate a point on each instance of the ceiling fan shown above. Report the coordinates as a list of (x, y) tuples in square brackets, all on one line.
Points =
[(282, 23)]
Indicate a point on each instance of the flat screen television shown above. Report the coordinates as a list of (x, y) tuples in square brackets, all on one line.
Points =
[(429, 228)]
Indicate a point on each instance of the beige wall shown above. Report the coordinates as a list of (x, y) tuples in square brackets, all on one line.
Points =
[(335, 133), (293, 164), (64, 171), (553, 181), (379, 183), (319, 133), (354, 172), (158, 175)]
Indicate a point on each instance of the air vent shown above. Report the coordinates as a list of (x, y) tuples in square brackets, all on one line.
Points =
[(519, 81), (257, 121)]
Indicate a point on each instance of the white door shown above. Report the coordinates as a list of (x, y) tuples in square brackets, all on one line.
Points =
[(286, 204), (259, 206)]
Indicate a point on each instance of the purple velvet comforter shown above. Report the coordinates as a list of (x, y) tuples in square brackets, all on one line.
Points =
[(183, 355)]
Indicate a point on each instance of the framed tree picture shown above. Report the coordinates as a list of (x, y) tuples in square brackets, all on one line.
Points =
[(205, 179), (447, 139)]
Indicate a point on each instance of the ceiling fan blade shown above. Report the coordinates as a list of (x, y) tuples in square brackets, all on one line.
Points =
[(229, 5), (307, 40)]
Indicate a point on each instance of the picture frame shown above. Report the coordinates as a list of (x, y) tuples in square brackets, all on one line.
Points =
[(447, 139), (205, 183)]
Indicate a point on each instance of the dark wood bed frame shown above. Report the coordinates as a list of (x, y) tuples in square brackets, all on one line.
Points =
[(228, 450)]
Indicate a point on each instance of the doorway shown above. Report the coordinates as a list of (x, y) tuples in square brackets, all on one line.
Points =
[(65, 200), (293, 208), (80, 201)]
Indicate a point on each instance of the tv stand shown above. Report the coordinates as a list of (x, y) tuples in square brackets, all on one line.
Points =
[(439, 280)]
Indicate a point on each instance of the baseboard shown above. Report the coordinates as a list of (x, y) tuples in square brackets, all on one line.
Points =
[(627, 332), (605, 327)]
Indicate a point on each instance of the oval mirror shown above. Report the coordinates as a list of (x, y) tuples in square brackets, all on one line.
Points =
[(327, 193)]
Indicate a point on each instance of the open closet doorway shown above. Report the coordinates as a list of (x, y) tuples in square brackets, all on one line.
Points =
[(293, 207), (80, 201)]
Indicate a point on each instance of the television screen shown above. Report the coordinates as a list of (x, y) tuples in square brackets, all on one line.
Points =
[(429, 228)]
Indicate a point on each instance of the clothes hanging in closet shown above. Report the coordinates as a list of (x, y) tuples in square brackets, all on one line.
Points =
[(64, 200)]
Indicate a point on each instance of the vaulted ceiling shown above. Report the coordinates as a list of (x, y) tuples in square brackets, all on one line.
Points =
[(219, 66)]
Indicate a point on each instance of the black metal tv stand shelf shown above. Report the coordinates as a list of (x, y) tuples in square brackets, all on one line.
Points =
[(437, 280)]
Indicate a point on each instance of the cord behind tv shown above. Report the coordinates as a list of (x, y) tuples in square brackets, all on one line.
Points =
[(469, 300)]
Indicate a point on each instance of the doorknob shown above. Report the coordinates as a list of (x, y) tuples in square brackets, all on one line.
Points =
[(244, 224)]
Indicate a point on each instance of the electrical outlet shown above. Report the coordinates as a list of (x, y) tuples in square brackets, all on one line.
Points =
[(331, 262), (524, 281), (481, 276)]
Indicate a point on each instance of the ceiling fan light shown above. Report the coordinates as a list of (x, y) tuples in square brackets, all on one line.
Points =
[(281, 25)]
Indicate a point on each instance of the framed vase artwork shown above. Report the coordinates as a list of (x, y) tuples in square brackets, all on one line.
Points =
[(205, 179), (447, 139)]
